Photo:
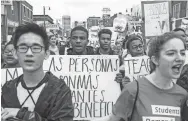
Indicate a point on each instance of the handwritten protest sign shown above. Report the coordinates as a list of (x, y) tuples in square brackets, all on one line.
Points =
[(9, 74), (134, 26), (90, 78), (93, 36), (93, 40), (120, 23), (156, 18), (136, 67)]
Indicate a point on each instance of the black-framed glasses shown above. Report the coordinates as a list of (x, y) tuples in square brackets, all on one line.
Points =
[(6, 52), (34, 48), (136, 47)]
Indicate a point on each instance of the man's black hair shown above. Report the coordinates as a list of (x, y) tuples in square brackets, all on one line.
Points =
[(31, 27), (179, 29), (81, 29), (51, 36), (132, 38), (104, 31), (8, 43)]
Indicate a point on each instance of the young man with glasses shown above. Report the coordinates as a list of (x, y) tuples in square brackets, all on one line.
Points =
[(8, 56), (35, 95)]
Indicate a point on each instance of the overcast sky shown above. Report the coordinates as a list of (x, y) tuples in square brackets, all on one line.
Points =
[(80, 10)]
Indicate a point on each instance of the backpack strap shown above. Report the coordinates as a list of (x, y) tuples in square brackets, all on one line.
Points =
[(134, 105)]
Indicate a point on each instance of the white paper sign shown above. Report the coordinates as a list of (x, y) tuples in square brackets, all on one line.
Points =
[(136, 67), (120, 23), (90, 78), (156, 18)]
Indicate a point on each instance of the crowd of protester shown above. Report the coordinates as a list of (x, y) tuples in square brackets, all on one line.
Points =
[(167, 59)]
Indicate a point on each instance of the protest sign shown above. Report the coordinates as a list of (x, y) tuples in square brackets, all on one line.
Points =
[(114, 35), (93, 36), (136, 67), (184, 24), (156, 18), (119, 23), (90, 78), (9, 74), (134, 26), (93, 40)]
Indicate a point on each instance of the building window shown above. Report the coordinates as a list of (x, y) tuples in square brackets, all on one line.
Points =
[(12, 9), (28, 13), (187, 10), (24, 11), (31, 15), (176, 10)]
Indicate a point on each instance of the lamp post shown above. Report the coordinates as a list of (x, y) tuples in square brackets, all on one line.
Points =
[(44, 11)]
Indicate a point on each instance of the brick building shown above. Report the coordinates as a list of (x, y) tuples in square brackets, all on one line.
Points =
[(13, 14), (179, 12)]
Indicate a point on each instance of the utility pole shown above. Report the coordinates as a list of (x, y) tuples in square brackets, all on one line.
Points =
[(44, 17), (44, 12)]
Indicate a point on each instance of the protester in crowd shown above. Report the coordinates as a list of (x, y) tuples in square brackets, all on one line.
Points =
[(135, 48), (79, 41), (124, 47), (35, 95), (8, 56), (61, 45), (53, 47), (3, 43), (183, 82), (119, 50), (105, 43), (182, 33), (156, 92), (186, 41)]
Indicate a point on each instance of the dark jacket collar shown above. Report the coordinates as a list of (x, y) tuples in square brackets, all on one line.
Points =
[(89, 51), (9, 90), (111, 52)]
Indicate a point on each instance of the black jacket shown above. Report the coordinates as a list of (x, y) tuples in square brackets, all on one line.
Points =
[(54, 102), (111, 52), (183, 82), (183, 79), (89, 50)]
